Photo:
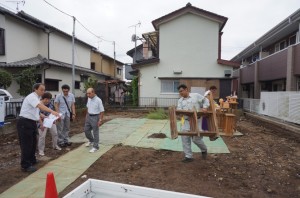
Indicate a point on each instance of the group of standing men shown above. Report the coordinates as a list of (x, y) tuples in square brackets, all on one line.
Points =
[(37, 106)]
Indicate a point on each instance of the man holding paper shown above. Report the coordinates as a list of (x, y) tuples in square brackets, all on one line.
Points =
[(27, 126)]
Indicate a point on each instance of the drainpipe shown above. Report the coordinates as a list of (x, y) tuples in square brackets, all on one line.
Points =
[(45, 73), (219, 45)]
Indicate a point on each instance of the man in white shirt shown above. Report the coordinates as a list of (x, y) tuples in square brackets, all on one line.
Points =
[(27, 126), (94, 119), (188, 101)]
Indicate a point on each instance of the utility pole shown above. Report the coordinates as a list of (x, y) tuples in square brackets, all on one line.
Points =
[(115, 67), (73, 57)]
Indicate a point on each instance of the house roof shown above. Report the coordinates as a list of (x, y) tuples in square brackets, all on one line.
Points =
[(40, 60), (190, 9), (144, 62), (287, 26), (228, 63), (131, 52)]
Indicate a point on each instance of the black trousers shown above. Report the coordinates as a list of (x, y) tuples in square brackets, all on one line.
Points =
[(27, 131)]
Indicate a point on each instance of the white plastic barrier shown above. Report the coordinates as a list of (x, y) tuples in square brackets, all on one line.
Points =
[(104, 189), (282, 105), (2, 111)]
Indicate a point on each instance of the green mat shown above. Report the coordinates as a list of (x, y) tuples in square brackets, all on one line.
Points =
[(139, 138)]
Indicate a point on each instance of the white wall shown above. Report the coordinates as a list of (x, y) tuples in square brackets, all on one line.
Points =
[(61, 50), (65, 76), (22, 41), (190, 43)]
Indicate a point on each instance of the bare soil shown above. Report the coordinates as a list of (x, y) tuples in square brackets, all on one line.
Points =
[(261, 163)]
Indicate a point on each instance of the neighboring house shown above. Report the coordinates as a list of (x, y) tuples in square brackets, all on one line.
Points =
[(28, 42), (112, 68), (184, 48), (137, 55), (272, 62), (107, 65)]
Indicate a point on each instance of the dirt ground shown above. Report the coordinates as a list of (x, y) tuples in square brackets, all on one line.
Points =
[(261, 163)]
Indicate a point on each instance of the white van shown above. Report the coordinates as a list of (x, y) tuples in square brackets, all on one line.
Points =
[(13, 105)]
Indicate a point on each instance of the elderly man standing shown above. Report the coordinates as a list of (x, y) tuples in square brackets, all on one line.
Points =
[(188, 101), (94, 119), (65, 104), (27, 126)]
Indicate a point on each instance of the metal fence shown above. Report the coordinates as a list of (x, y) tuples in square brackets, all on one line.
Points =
[(281, 105), (141, 102), (12, 109)]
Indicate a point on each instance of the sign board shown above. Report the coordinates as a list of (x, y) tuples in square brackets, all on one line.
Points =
[(2, 111)]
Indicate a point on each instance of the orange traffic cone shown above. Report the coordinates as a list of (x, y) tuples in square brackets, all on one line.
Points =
[(50, 191)]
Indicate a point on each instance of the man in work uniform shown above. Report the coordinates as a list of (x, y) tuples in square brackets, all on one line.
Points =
[(188, 101)]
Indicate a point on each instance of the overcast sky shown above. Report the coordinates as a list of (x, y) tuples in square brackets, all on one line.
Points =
[(111, 19)]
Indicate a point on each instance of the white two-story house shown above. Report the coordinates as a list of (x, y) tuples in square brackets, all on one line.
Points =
[(28, 42), (184, 48)]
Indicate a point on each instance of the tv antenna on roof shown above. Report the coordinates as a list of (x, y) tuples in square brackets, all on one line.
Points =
[(17, 2)]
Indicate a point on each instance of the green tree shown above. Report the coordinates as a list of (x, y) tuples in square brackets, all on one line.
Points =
[(90, 83), (135, 95), (26, 79), (5, 79)]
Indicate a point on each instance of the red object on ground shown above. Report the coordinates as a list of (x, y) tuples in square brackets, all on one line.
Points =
[(50, 191)]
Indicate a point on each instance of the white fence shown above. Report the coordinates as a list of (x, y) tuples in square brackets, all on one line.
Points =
[(282, 105)]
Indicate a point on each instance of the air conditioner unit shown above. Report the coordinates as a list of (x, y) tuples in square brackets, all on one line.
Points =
[(227, 72), (177, 71)]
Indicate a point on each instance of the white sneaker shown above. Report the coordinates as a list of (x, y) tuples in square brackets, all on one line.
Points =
[(57, 148), (93, 150), (88, 144), (41, 153)]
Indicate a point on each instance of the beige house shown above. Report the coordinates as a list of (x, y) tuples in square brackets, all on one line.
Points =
[(107, 65)]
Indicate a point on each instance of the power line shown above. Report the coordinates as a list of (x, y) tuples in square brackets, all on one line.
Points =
[(88, 30), (58, 9), (99, 37)]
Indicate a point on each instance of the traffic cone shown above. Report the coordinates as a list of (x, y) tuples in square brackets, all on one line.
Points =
[(50, 191)]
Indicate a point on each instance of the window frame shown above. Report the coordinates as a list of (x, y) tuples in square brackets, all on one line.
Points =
[(51, 86), (175, 84), (2, 41)]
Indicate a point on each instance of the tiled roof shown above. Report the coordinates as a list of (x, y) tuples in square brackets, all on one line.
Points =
[(189, 8), (40, 60)]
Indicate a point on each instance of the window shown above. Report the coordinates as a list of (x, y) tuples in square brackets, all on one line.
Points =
[(52, 85), (292, 39), (169, 86), (119, 71), (282, 45), (277, 47), (77, 84), (93, 65), (2, 42)]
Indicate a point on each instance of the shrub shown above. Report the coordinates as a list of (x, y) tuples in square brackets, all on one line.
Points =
[(158, 114)]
